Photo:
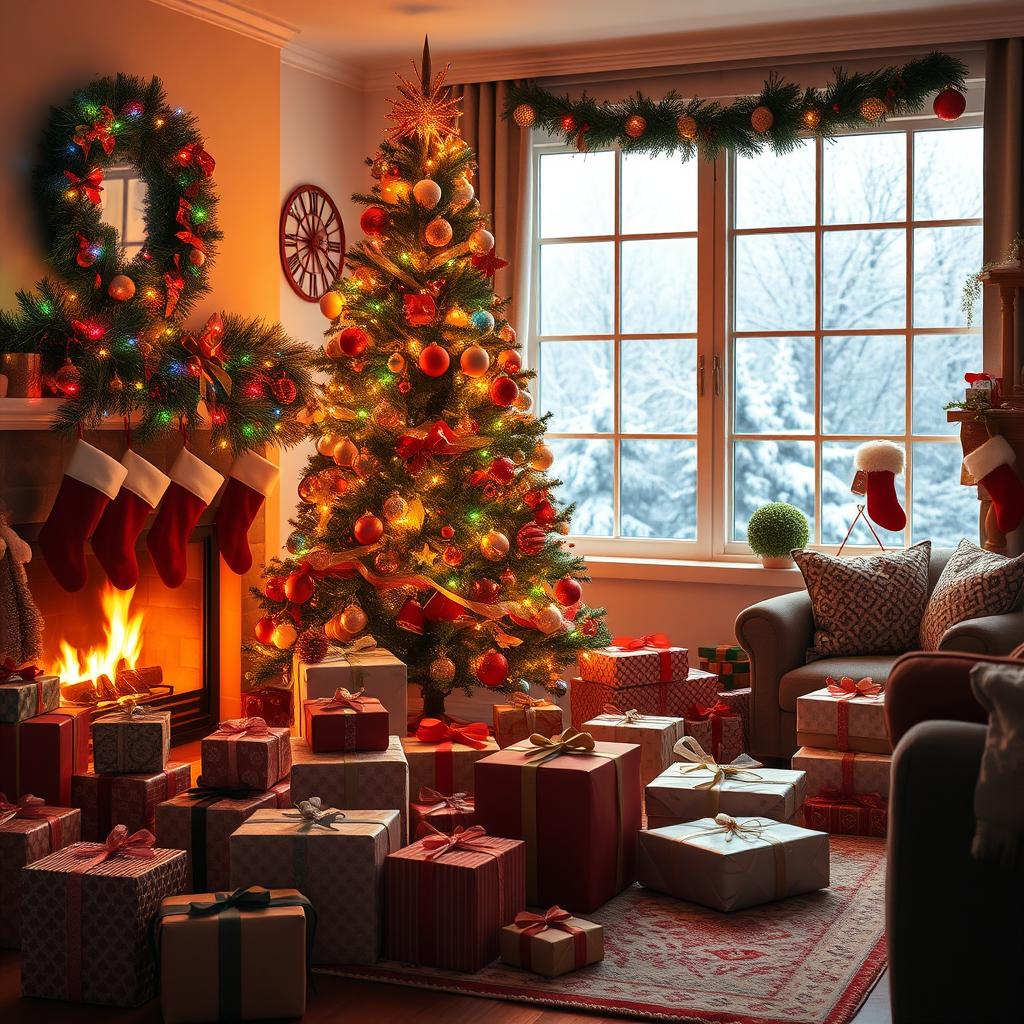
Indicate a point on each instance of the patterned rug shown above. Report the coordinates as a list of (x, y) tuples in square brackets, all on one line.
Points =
[(805, 960)]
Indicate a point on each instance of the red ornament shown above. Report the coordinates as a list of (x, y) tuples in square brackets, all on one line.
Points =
[(567, 591), (509, 360), (264, 629), (447, 532), (434, 360), (274, 588), (353, 341), (285, 390), (68, 379), (298, 588), (568, 123), (949, 104), (441, 608), (368, 529), (492, 668), (420, 310), (530, 539), (452, 555), (411, 618), (508, 578), (485, 590), (373, 221), (589, 627), (404, 387), (531, 499), (545, 513), (503, 391), (502, 469)]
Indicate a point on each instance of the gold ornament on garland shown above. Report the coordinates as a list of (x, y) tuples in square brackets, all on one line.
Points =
[(121, 288), (524, 115), (636, 125), (873, 109), (686, 127), (811, 117), (761, 119)]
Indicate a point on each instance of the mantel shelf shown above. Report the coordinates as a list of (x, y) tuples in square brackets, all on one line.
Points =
[(41, 414)]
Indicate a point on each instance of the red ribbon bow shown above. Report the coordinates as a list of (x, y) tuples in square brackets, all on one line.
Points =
[(26, 807), (174, 281), (438, 843), (99, 131), (207, 354), (487, 263), (193, 154), (89, 185), (847, 687), (457, 801), (659, 641), (416, 451), (717, 710), (997, 384), (118, 844), (9, 670), (242, 726), (471, 734), (554, 917), (186, 235), (343, 699)]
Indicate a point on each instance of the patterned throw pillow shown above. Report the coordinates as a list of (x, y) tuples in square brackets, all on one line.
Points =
[(975, 582), (867, 604)]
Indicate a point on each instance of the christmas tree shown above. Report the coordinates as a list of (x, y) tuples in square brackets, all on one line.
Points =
[(426, 517)]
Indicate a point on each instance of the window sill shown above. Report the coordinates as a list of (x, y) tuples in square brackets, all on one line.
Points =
[(665, 570)]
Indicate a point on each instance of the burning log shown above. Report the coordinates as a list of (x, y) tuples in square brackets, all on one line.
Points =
[(137, 680), (128, 682)]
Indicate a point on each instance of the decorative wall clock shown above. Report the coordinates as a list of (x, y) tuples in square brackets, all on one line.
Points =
[(312, 241)]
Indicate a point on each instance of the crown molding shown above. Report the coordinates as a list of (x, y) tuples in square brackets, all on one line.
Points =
[(236, 17), (315, 62)]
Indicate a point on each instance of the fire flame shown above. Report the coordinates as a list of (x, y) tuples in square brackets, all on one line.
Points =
[(124, 642)]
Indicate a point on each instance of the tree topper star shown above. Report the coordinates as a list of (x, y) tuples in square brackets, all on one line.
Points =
[(425, 108)]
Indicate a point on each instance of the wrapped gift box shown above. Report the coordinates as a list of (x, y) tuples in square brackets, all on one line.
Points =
[(448, 897), (731, 674), (85, 929), (718, 729), (359, 781), (40, 754), (724, 653), (524, 716), (29, 831), (131, 800), (842, 722), (131, 741), (673, 698), (440, 811), (623, 664), (738, 700), (245, 753), (845, 772), (345, 722), (656, 735), (845, 815), (442, 756), (336, 860), (246, 961), (552, 943), (378, 673), (22, 698), (476, 706), (729, 863), (201, 821), (271, 703), (577, 788)]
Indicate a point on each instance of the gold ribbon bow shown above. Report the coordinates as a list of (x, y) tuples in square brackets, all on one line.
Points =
[(543, 748), (457, 801), (207, 357), (629, 717), (524, 700), (125, 709), (751, 831), (739, 769), (312, 814)]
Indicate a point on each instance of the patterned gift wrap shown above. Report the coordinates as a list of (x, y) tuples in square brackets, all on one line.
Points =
[(40, 754), (29, 831), (130, 742), (337, 862), (245, 753), (274, 704), (552, 943), (448, 897), (477, 706), (844, 771), (233, 957), (738, 701), (524, 716), (360, 781), (656, 735), (201, 821), (442, 756), (845, 815), (440, 811), (718, 729), (22, 698), (837, 720), (85, 930), (723, 652), (673, 698), (130, 800), (731, 674), (346, 722), (635, 661)]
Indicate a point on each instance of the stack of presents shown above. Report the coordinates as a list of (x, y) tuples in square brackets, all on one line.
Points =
[(448, 844)]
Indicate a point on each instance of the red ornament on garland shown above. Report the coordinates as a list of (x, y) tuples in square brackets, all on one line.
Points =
[(492, 668), (274, 588), (568, 123), (949, 104), (434, 360), (485, 590), (502, 469), (353, 341), (420, 309), (530, 539), (503, 391), (373, 221), (264, 629), (567, 591), (368, 529), (298, 588)]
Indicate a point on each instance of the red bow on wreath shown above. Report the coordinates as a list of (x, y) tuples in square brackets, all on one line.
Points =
[(99, 131), (417, 451), (207, 357), (174, 281), (194, 155), (89, 186), (186, 235)]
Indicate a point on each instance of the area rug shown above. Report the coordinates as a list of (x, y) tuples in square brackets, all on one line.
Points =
[(805, 960)]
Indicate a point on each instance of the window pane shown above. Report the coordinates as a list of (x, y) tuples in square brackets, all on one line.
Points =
[(585, 469), (864, 279), (947, 174), (776, 191), (943, 259), (775, 282), (940, 362), (659, 393), (944, 511), (774, 385), (839, 506), (576, 386), (659, 194), (865, 179), (659, 489), (135, 227), (659, 286), (863, 385), (765, 471), (577, 283), (577, 194), (111, 207)]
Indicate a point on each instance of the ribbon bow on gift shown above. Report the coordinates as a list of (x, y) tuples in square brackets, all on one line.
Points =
[(26, 807), (659, 641), (9, 670), (99, 131), (207, 353), (342, 699), (553, 917), (244, 726), (457, 801), (847, 687), (739, 769), (125, 709), (628, 717), (748, 830), (572, 741), (438, 843), (253, 898), (719, 709), (118, 844), (470, 734), (524, 700), (312, 814), (90, 186)]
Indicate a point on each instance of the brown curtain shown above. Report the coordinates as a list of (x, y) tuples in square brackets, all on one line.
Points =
[(1004, 178), (503, 187)]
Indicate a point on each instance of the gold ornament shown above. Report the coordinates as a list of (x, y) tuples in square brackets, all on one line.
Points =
[(761, 119), (462, 195), (481, 241), (116, 384), (686, 127), (395, 190), (364, 279), (524, 401), (121, 288), (427, 193), (365, 464), (494, 545), (284, 636), (543, 457), (394, 507), (811, 117), (636, 125), (335, 630), (442, 670), (197, 257), (345, 453), (331, 304), (549, 619), (438, 233), (524, 115), (396, 362), (873, 109), (507, 334), (457, 317), (427, 555), (327, 443), (474, 361), (353, 619)]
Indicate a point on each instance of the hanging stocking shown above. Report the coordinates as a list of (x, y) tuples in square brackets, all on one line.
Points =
[(113, 543), (193, 486), (91, 480), (251, 480), (990, 465), (880, 461)]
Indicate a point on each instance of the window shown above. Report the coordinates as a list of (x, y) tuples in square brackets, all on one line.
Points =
[(709, 337), (123, 206)]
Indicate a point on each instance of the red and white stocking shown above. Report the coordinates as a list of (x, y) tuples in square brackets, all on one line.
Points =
[(91, 481), (880, 461), (193, 486), (251, 480), (113, 543), (991, 466)]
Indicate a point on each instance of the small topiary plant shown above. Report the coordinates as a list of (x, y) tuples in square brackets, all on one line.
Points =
[(775, 530)]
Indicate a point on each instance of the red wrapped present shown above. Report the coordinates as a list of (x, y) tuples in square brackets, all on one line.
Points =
[(547, 789), (844, 715), (847, 815), (201, 821), (347, 721), (132, 800), (273, 704), (29, 830), (739, 701), (524, 715), (673, 698), (26, 692), (635, 661), (844, 771), (131, 739), (551, 943), (718, 729), (40, 754), (440, 811), (86, 915), (441, 755), (449, 896), (245, 753)]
